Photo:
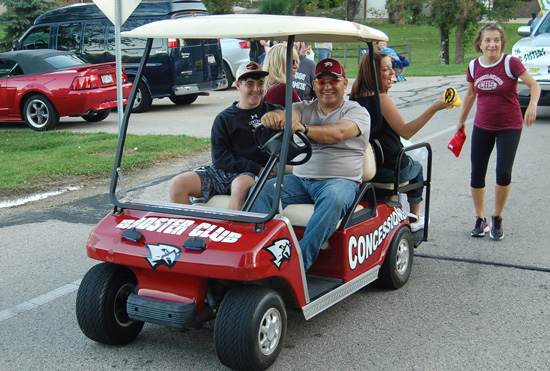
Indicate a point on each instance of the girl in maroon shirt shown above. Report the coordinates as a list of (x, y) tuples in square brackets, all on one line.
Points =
[(492, 80)]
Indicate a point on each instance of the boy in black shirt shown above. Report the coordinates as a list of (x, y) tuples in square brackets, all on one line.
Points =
[(236, 160)]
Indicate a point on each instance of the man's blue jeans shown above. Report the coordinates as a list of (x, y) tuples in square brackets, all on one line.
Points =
[(332, 198)]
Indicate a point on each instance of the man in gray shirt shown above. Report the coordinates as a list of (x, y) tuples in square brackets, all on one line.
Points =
[(339, 133)]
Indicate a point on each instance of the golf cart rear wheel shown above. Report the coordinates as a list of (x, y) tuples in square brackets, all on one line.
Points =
[(101, 304), (250, 328), (396, 269)]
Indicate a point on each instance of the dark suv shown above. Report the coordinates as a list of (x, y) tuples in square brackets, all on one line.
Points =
[(177, 68)]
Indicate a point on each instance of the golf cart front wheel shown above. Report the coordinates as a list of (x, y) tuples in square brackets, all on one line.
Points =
[(101, 304), (250, 328)]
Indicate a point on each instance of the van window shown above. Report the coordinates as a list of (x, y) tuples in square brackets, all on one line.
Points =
[(38, 38), (68, 37), (132, 42), (94, 36)]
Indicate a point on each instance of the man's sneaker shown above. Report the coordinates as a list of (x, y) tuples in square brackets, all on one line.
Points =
[(496, 228), (417, 222), (480, 228)]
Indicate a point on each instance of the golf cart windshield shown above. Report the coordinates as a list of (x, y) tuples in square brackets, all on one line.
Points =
[(248, 27)]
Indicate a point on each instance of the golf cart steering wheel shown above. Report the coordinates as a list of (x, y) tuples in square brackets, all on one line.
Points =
[(273, 146)]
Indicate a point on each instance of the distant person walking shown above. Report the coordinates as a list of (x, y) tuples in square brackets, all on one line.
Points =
[(324, 51), (493, 82)]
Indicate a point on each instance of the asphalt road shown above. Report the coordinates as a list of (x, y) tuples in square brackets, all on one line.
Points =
[(470, 304)]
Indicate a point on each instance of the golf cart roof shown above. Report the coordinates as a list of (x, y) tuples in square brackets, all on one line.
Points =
[(259, 26)]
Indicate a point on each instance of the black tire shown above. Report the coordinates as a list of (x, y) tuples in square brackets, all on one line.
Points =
[(182, 100), (39, 113), (143, 99), (226, 74), (396, 269), (101, 305), (250, 328), (97, 116)]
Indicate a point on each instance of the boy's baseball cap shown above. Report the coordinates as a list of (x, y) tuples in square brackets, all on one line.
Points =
[(329, 65), (250, 68)]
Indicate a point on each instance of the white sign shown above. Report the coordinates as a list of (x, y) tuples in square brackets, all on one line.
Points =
[(127, 7)]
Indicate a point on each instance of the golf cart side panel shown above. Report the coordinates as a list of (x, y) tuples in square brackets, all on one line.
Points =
[(358, 249), (232, 251)]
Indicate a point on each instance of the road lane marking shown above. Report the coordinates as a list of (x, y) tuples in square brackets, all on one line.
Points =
[(39, 300)]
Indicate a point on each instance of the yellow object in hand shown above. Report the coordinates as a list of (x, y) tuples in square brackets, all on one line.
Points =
[(451, 96)]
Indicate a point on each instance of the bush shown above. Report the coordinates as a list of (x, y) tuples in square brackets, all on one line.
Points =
[(275, 7)]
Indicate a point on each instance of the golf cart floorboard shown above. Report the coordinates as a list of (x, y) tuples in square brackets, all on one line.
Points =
[(318, 286)]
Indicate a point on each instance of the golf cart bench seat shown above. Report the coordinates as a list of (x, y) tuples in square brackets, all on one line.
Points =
[(300, 214)]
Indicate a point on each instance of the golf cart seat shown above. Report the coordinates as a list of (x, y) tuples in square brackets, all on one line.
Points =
[(384, 189), (299, 214)]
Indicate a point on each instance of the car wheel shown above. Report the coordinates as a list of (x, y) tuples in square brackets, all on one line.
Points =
[(143, 99), (250, 328), (39, 113), (101, 304), (182, 100), (396, 269), (97, 116), (226, 74)]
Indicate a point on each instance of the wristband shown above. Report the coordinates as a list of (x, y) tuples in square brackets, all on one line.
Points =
[(306, 129)]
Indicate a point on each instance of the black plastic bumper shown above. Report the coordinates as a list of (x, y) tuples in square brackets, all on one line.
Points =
[(161, 312)]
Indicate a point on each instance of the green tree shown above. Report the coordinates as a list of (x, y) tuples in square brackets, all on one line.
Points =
[(463, 15), (352, 6), (20, 15), (219, 6), (297, 7)]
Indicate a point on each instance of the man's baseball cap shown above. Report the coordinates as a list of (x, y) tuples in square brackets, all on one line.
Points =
[(330, 65), (250, 68)]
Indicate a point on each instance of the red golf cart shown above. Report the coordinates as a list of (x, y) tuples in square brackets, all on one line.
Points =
[(178, 265)]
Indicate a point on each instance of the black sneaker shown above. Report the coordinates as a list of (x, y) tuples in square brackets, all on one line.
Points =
[(496, 228), (480, 228)]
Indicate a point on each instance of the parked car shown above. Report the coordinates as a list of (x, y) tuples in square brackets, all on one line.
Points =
[(234, 52), (178, 69), (40, 86), (534, 52)]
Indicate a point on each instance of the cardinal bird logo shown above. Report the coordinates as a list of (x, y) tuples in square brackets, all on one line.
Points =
[(162, 254), (281, 251)]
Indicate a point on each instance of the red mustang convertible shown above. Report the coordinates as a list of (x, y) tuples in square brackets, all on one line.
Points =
[(40, 86)]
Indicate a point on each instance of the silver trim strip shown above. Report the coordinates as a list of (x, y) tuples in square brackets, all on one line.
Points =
[(342, 292)]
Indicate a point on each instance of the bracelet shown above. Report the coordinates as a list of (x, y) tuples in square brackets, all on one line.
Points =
[(306, 127)]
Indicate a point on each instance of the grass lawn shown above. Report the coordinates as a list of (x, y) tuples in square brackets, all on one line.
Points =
[(33, 160)]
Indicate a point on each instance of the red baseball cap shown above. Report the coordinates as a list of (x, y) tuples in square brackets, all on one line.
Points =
[(330, 65)]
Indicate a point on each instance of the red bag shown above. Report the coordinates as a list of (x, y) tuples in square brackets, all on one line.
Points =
[(456, 143)]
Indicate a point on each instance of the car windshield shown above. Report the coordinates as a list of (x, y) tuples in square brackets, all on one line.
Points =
[(65, 61), (544, 27)]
